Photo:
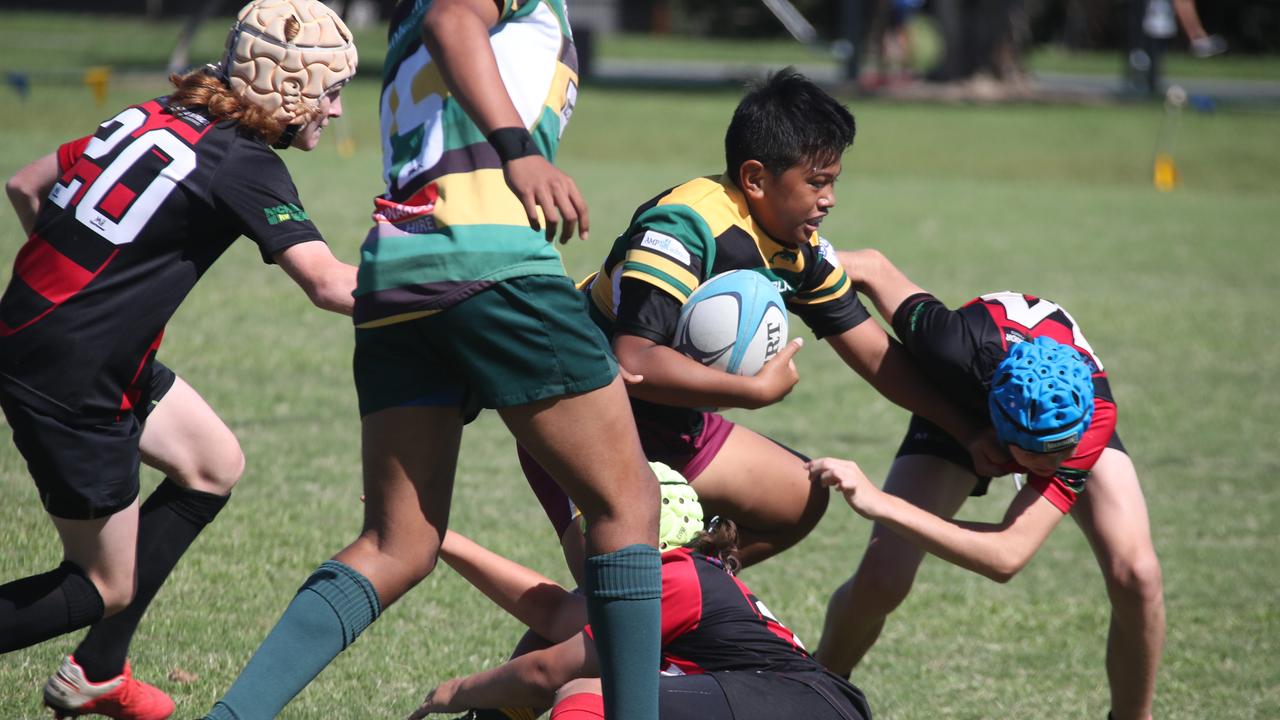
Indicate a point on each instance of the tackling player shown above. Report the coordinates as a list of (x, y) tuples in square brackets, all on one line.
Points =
[(783, 153), (725, 656), (121, 224), (1024, 362), (463, 304)]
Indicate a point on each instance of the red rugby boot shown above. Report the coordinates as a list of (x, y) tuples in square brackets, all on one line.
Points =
[(69, 694)]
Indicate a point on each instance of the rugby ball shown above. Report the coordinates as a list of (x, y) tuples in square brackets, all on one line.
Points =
[(734, 322)]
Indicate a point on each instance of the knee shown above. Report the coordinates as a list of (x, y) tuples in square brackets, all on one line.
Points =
[(214, 472), (402, 561), (116, 594), (1136, 580)]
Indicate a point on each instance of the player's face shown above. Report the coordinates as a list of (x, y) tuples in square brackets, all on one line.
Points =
[(791, 206), (1041, 464), (330, 107)]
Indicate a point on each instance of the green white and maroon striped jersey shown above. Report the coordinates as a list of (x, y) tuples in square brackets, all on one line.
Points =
[(448, 225)]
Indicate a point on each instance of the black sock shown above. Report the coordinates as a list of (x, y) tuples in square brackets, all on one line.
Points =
[(168, 523), (40, 607)]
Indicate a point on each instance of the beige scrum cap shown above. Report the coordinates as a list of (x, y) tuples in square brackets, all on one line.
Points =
[(286, 54)]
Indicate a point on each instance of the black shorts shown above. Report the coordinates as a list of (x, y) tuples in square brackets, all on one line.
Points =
[(747, 695), (925, 438), (815, 695), (85, 470)]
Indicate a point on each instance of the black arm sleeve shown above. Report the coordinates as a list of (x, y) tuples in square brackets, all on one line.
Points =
[(646, 311), (946, 346), (253, 187)]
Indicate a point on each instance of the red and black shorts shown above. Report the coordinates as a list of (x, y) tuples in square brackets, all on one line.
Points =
[(85, 469)]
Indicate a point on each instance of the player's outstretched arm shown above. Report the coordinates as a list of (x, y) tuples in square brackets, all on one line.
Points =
[(530, 597), (887, 366), (326, 280), (995, 550), (29, 187), (456, 32), (530, 680), (671, 378)]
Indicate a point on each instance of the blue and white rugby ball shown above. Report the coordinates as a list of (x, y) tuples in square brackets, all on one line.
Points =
[(733, 322)]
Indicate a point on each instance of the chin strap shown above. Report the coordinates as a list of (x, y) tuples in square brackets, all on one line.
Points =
[(286, 137)]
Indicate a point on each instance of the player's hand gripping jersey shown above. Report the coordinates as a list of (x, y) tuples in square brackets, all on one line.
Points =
[(702, 228), (141, 209), (448, 225), (960, 349)]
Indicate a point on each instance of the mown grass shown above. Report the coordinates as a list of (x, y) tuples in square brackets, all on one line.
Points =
[(1175, 291)]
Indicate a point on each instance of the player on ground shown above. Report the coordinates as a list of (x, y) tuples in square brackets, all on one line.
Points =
[(1061, 433), (121, 225), (726, 656), (783, 152), (463, 304)]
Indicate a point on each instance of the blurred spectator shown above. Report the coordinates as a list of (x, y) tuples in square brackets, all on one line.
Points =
[(977, 39), (892, 38)]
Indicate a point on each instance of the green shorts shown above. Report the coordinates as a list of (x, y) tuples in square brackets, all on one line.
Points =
[(524, 339)]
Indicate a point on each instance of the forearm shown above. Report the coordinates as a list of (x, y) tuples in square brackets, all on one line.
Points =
[(671, 378), (974, 546), (457, 36), (334, 293), (995, 550), (517, 683), (24, 206), (887, 366), (899, 379), (533, 599), (327, 281), (29, 187)]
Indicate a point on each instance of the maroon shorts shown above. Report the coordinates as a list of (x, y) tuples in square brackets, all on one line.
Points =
[(688, 452)]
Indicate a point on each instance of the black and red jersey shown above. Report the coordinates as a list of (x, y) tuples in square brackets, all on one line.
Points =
[(960, 349), (712, 622), (713, 625), (140, 210)]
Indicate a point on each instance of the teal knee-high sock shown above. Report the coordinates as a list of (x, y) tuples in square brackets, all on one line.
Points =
[(329, 612), (624, 594)]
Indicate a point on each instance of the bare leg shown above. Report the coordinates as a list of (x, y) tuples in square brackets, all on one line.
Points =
[(96, 578), (857, 610), (187, 441), (765, 490), (409, 454), (588, 443), (1113, 515), (106, 550), (201, 459)]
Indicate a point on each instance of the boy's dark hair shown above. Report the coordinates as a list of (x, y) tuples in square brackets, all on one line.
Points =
[(784, 121)]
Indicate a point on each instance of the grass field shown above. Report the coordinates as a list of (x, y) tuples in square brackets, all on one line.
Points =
[(1175, 291)]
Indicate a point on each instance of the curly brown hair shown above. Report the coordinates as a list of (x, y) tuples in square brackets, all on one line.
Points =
[(204, 90), (719, 540)]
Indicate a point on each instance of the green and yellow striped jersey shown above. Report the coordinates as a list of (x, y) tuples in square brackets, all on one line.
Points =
[(702, 228), (448, 225)]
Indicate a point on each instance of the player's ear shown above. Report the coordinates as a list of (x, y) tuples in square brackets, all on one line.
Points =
[(751, 177)]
